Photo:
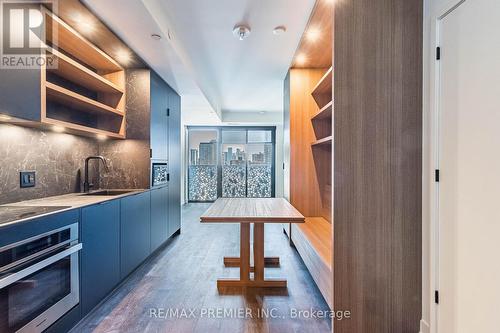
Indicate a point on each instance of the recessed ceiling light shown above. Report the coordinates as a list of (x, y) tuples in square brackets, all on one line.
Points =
[(123, 56), (241, 31), (300, 59), (313, 34), (279, 30), (156, 36), (85, 24), (262, 112)]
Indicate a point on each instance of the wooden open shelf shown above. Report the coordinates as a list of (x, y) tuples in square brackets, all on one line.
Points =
[(323, 141), (81, 130), (76, 101), (71, 70), (78, 46), (324, 113), (322, 93)]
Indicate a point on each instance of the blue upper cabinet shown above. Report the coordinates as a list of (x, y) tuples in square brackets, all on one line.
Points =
[(159, 118), (174, 158), (100, 255), (135, 231), (159, 217)]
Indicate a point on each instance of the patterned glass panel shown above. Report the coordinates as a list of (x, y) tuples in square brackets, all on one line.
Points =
[(234, 181), (259, 181), (202, 182)]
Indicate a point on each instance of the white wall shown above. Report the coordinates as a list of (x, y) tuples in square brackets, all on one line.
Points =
[(432, 10), (202, 115)]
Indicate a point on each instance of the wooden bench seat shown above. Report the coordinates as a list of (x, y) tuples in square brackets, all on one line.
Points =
[(313, 241)]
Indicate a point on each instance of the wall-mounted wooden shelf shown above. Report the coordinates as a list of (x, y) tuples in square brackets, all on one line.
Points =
[(325, 112), (73, 71), (78, 102), (78, 46), (322, 93), (323, 141), (80, 129)]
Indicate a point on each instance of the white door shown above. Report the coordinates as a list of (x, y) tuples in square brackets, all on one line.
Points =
[(469, 160)]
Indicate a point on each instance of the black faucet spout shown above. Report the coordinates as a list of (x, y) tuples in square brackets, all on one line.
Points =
[(86, 184)]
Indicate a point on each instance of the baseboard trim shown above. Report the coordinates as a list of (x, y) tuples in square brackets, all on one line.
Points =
[(424, 327)]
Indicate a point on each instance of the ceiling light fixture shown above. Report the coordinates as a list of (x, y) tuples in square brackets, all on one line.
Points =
[(123, 56), (241, 31), (156, 36), (313, 34), (300, 59), (279, 30)]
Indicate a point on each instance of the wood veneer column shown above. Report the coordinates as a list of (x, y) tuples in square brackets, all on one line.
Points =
[(377, 164)]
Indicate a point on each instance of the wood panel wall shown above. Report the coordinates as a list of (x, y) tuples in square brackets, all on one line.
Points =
[(304, 186), (378, 158)]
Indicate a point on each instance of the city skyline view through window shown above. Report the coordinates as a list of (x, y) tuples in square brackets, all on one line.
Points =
[(230, 162)]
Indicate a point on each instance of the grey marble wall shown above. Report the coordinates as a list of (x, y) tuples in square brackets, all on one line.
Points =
[(57, 158), (130, 159)]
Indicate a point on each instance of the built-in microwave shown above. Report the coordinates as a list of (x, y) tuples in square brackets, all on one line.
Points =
[(39, 280), (159, 174)]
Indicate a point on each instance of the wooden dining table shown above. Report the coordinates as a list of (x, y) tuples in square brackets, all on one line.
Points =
[(247, 211)]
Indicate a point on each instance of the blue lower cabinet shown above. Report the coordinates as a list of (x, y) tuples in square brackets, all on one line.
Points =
[(159, 217), (100, 255), (135, 231)]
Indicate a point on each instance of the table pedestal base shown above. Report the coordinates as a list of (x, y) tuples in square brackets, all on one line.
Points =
[(243, 262)]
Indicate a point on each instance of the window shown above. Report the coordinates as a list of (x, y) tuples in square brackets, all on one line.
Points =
[(243, 157), (202, 165)]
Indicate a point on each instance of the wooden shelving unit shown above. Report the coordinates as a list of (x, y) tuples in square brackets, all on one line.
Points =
[(85, 91), (308, 128), (324, 113), (73, 71), (323, 141), (322, 93), (78, 102), (80, 129), (78, 46)]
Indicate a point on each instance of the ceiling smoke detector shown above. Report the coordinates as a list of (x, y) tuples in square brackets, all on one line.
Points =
[(241, 31)]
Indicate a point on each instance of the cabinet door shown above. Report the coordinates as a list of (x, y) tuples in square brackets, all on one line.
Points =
[(159, 118), (100, 255), (174, 159), (159, 217), (135, 231)]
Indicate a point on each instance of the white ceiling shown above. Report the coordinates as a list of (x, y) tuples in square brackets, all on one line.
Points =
[(202, 59)]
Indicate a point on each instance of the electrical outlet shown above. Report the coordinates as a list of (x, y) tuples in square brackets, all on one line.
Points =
[(27, 179)]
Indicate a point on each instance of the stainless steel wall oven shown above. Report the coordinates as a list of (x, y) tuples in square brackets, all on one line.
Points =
[(39, 280)]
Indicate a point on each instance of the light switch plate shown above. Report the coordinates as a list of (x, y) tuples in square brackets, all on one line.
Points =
[(27, 179)]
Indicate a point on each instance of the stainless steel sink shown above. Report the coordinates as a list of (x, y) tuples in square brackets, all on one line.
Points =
[(109, 192)]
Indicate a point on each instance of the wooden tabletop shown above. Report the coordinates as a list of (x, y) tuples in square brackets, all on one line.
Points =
[(250, 210)]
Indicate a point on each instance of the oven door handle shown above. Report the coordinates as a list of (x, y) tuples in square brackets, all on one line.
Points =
[(14, 277)]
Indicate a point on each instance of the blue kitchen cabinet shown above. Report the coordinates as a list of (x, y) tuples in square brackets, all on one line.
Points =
[(135, 231), (174, 159), (159, 217), (100, 255)]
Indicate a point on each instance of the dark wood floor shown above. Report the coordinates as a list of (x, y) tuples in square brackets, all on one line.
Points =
[(183, 276)]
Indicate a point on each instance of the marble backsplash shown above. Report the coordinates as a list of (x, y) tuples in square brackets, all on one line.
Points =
[(57, 158)]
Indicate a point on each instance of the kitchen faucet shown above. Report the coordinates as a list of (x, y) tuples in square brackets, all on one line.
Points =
[(86, 185)]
